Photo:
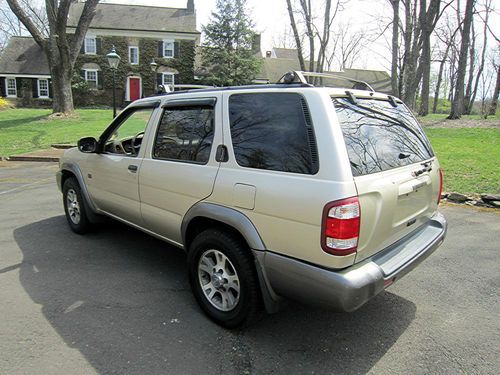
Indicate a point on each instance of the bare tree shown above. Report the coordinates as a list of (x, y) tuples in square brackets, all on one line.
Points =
[(61, 51), (395, 46), (298, 41), (346, 46), (494, 99), (457, 105)]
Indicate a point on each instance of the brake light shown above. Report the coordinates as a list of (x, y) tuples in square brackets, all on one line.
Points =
[(340, 227), (441, 174)]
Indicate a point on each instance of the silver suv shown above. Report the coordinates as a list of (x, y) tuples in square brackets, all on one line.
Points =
[(317, 194)]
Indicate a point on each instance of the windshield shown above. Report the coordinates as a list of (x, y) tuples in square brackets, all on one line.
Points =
[(379, 136)]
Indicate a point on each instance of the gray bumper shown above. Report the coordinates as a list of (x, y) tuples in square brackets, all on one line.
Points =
[(350, 288)]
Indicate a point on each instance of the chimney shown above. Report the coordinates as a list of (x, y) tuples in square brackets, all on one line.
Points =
[(256, 44), (190, 6)]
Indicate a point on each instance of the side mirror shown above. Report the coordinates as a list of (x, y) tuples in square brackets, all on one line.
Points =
[(87, 145)]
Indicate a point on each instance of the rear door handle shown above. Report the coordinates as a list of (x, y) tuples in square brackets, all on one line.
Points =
[(132, 168)]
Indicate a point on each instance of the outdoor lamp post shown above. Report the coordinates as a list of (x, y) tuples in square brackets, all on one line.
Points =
[(113, 60), (154, 67)]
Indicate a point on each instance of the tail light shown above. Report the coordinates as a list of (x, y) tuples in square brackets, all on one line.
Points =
[(340, 227), (440, 184)]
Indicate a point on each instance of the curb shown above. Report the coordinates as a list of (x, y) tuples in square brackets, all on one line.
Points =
[(33, 158), (62, 146)]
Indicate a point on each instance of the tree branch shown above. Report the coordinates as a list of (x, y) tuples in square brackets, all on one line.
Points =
[(82, 27), (27, 22)]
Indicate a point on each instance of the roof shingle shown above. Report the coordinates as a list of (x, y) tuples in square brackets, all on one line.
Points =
[(23, 56)]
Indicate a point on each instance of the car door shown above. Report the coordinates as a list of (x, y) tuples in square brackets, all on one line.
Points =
[(179, 168), (113, 172)]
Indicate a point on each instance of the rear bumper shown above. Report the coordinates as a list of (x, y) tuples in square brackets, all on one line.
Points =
[(350, 288)]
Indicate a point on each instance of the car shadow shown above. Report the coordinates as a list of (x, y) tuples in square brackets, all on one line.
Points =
[(122, 299)]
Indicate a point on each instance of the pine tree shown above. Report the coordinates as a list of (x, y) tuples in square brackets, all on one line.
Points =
[(227, 50)]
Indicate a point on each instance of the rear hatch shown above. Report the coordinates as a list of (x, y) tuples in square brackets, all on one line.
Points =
[(394, 168)]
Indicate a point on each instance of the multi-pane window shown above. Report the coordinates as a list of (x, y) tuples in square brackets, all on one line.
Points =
[(90, 46), (91, 78), (185, 134), (168, 79), (168, 48), (43, 88), (133, 55), (11, 87)]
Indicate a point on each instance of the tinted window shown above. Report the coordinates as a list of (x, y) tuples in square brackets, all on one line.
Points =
[(185, 133), (273, 131), (379, 136)]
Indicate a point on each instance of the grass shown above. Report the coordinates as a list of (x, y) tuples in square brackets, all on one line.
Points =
[(25, 130), (470, 157), (432, 117)]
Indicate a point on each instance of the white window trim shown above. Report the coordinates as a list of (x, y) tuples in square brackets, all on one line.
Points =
[(85, 45), (128, 87), (7, 87), (96, 77), (173, 79), (173, 48), (130, 48), (38, 84)]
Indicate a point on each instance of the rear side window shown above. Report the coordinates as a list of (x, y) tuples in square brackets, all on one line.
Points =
[(379, 136), (185, 134), (273, 131)]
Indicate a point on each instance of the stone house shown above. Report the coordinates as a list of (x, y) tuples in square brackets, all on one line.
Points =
[(140, 34)]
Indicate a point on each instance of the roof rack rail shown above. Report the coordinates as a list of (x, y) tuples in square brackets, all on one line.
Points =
[(300, 76)]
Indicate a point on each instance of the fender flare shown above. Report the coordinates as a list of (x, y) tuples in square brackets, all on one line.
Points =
[(228, 216), (77, 172)]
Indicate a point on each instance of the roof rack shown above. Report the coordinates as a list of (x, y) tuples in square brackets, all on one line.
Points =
[(300, 76)]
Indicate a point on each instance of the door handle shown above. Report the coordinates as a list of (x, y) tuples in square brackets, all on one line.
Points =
[(132, 168)]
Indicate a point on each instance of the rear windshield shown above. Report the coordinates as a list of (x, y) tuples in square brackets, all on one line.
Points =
[(380, 136)]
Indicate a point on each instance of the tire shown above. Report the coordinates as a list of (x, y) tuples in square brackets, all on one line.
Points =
[(74, 207), (223, 278)]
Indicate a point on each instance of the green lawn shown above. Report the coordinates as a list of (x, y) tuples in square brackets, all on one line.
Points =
[(24, 130), (470, 157)]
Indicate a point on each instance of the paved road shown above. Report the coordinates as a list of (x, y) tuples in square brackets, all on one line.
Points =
[(118, 302)]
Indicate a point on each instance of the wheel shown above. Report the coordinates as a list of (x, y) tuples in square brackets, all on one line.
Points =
[(74, 207), (223, 278)]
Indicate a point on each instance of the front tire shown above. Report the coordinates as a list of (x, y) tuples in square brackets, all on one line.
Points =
[(74, 207), (223, 278)]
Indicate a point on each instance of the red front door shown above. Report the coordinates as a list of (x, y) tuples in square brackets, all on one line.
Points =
[(135, 88)]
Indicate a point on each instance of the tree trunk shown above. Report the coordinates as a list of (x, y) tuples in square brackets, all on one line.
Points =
[(458, 101), (494, 99), (472, 57), (296, 35), (395, 47), (426, 76), (61, 86)]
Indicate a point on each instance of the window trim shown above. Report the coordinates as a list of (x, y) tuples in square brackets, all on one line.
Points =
[(96, 78), (130, 48), (173, 107), (85, 48), (39, 89), (163, 79), (173, 48), (7, 87)]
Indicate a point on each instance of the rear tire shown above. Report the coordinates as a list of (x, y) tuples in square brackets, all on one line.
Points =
[(74, 207), (223, 278)]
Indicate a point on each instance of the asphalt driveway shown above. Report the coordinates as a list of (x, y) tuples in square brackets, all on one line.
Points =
[(118, 302)]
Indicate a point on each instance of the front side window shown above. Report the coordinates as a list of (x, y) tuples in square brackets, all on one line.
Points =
[(91, 78), (127, 138), (11, 87), (379, 136), (133, 54), (273, 131), (90, 46), (43, 88), (185, 134), (168, 48)]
